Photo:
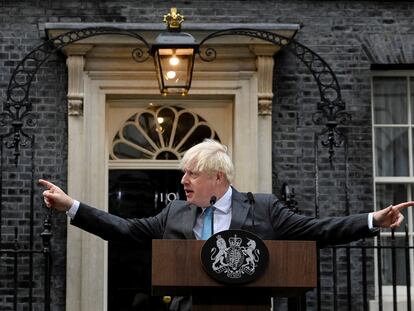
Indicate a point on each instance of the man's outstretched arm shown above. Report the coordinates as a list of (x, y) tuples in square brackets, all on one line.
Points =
[(390, 217)]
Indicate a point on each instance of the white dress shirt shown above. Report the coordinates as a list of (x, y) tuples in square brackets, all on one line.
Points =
[(221, 215)]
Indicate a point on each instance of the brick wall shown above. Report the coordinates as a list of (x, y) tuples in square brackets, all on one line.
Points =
[(349, 35)]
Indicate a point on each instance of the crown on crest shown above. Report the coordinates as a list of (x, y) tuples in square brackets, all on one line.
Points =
[(235, 241)]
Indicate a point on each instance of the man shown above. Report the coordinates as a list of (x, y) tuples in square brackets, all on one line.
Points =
[(208, 172)]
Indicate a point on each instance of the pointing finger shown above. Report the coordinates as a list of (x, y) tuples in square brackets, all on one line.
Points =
[(46, 183), (400, 206)]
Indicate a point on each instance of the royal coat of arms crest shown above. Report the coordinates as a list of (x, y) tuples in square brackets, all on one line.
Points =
[(234, 256)]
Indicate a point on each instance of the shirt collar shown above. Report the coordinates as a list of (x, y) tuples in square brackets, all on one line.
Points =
[(224, 203)]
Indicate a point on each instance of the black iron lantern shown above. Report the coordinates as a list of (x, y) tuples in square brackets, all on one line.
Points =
[(173, 53)]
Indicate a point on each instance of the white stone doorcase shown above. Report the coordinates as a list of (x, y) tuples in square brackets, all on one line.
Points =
[(104, 82)]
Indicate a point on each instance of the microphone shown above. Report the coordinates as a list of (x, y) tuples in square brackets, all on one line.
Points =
[(213, 200), (250, 197)]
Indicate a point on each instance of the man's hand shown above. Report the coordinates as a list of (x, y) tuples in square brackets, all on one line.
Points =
[(55, 197), (391, 216)]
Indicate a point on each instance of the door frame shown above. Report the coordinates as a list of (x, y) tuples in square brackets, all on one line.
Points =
[(96, 74)]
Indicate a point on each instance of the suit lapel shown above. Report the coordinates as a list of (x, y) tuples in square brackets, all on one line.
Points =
[(189, 218), (240, 210)]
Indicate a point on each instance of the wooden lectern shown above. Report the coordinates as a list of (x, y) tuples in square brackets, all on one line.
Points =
[(177, 271)]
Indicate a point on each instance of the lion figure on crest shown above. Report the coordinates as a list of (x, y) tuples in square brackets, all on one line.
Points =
[(221, 256), (251, 253)]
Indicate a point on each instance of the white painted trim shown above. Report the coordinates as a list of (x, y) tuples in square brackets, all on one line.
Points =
[(387, 290)]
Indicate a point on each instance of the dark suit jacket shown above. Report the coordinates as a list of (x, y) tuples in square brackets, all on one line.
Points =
[(272, 221), (267, 217)]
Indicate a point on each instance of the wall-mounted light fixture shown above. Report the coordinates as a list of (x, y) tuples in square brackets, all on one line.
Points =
[(173, 53)]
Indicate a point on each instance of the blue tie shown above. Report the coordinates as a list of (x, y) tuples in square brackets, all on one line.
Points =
[(207, 224)]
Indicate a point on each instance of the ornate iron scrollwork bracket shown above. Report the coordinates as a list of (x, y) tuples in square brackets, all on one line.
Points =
[(331, 115), (331, 109), (17, 108), (16, 114)]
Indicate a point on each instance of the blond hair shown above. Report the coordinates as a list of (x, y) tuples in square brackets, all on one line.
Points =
[(209, 156)]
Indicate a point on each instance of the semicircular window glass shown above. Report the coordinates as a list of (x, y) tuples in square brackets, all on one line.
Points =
[(164, 133)]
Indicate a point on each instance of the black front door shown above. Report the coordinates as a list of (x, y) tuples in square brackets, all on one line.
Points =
[(136, 194)]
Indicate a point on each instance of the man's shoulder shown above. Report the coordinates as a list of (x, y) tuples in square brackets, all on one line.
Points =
[(265, 197), (262, 197), (258, 195), (179, 204)]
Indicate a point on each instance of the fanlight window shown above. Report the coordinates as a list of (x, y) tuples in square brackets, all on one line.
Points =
[(163, 133)]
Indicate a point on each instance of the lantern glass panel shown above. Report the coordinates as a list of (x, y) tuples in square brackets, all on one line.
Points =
[(174, 68)]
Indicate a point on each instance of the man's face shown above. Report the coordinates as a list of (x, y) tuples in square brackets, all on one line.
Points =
[(199, 187)]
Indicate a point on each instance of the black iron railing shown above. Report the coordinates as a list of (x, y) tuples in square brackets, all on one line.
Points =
[(353, 276), (22, 279)]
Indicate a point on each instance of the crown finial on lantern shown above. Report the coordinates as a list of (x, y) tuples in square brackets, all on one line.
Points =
[(173, 20)]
